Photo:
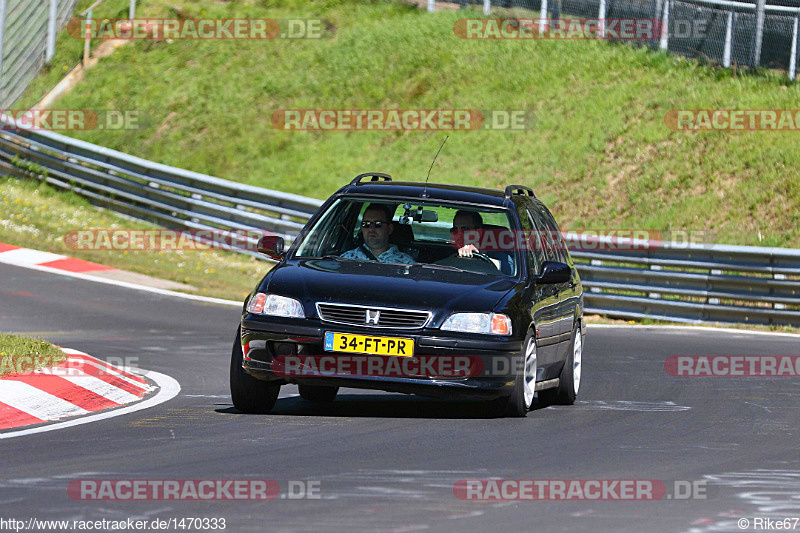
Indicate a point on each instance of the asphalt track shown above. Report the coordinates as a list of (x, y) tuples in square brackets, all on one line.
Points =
[(388, 462)]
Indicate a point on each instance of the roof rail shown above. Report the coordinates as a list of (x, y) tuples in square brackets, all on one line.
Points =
[(519, 189), (376, 176)]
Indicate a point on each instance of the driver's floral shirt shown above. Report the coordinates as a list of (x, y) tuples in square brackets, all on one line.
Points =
[(392, 255)]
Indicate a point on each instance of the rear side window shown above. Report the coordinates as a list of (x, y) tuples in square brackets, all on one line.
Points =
[(553, 237)]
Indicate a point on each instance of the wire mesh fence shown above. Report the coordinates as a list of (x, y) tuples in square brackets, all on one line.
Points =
[(27, 38), (719, 31)]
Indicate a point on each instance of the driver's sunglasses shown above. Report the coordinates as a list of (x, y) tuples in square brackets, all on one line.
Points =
[(378, 224)]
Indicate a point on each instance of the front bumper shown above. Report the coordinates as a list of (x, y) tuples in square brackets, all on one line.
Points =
[(492, 374)]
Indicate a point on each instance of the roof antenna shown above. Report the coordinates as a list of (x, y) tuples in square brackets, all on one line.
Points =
[(425, 190)]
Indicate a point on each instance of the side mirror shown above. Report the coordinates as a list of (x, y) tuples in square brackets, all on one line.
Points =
[(554, 272), (271, 246)]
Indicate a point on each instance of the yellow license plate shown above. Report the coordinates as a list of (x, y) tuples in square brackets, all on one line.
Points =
[(369, 344)]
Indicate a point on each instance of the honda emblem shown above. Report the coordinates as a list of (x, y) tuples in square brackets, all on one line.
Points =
[(372, 316)]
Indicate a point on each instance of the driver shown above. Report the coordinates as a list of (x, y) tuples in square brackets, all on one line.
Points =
[(376, 226)]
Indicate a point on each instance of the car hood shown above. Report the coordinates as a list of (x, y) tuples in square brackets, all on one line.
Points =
[(387, 285)]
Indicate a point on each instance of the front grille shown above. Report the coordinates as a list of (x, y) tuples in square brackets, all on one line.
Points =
[(356, 315)]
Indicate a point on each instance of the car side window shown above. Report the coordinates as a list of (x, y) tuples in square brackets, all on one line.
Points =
[(539, 240), (552, 234), (533, 250)]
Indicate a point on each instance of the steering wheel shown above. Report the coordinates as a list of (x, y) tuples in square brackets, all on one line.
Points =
[(482, 256)]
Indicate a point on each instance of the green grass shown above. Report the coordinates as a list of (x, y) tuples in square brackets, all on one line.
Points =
[(68, 52), (600, 153), (22, 354), (35, 215)]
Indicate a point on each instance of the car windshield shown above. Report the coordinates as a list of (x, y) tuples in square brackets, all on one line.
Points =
[(430, 234)]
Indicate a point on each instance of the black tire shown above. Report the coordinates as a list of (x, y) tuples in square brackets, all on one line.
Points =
[(249, 395), (566, 392), (516, 405), (318, 394)]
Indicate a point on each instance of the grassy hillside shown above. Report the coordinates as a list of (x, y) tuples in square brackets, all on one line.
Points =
[(599, 153)]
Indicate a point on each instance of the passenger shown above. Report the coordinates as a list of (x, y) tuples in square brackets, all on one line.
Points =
[(472, 220)]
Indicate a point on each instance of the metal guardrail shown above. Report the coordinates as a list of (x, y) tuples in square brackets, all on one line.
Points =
[(692, 283), (669, 281), (172, 197)]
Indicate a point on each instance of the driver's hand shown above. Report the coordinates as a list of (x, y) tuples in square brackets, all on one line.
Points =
[(466, 251)]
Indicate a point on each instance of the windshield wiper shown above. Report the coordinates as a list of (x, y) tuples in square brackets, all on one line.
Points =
[(441, 267)]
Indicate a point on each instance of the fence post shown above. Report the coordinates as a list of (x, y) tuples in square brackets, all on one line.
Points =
[(726, 54), (132, 10), (664, 43), (2, 50), (487, 7), (601, 18), (51, 30), (543, 18), (793, 56), (431, 6), (87, 37), (756, 55)]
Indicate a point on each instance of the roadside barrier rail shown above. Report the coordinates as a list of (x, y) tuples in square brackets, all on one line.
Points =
[(667, 281)]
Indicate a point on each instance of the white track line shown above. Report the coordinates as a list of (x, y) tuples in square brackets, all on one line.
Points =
[(127, 285), (169, 388)]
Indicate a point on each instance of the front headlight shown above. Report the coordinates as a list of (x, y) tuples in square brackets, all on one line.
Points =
[(274, 305), (493, 323)]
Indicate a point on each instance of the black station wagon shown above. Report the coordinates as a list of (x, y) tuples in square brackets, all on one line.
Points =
[(429, 289)]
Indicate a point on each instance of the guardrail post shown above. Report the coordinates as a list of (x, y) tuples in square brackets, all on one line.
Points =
[(756, 55), (726, 55), (664, 43), (51, 30), (487, 7), (431, 6), (601, 18), (87, 37), (2, 50), (793, 57), (543, 18)]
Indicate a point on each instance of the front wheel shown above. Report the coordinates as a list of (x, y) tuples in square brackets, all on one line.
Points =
[(519, 402), (569, 381), (249, 395)]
